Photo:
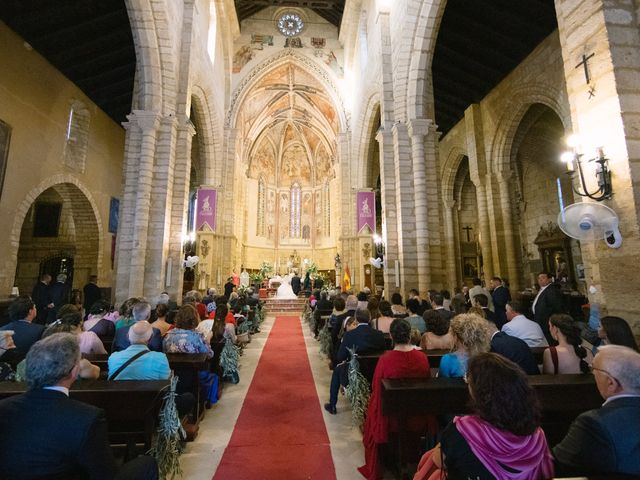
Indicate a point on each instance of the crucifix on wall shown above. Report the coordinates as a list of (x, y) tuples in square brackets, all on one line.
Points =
[(585, 64), (468, 229)]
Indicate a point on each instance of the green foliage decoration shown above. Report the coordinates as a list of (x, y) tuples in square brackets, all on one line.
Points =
[(324, 337), (358, 391), (166, 446)]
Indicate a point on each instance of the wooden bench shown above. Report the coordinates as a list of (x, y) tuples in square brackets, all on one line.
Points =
[(185, 364), (131, 406), (562, 399)]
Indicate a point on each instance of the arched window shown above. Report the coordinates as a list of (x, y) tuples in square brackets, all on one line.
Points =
[(362, 44), (295, 211), (261, 207), (327, 209), (77, 136), (211, 40)]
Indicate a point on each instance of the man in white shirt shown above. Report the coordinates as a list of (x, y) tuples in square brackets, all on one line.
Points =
[(521, 327)]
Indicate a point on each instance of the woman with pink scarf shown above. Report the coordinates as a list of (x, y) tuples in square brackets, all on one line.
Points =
[(502, 440)]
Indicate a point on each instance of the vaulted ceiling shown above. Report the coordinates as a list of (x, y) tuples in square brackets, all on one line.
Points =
[(330, 10), (479, 43), (89, 41)]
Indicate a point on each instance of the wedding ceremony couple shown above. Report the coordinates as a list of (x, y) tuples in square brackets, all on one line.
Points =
[(289, 286)]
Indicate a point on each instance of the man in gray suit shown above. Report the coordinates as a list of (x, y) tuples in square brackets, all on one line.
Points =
[(607, 440)]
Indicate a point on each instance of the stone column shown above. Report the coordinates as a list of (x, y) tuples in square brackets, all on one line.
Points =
[(607, 117), (485, 231), (389, 213), (418, 129), (450, 241), (506, 206)]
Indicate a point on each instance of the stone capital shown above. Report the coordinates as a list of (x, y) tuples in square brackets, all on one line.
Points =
[(383, 136), (146, 120), (419, 126), (398, 129)]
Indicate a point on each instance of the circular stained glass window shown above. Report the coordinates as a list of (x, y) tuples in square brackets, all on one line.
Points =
[(290, 24)]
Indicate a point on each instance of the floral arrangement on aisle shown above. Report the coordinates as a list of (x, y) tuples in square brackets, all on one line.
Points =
[(358, 391), (324, 337), (265, 269), (229, 361), (166, 447), (258, 318)]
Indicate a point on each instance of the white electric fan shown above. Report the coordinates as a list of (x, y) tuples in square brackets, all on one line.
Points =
[(376, 262), (591, 221)]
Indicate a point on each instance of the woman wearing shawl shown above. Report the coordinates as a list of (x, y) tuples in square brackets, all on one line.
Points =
[(404, 361), (503, 439)]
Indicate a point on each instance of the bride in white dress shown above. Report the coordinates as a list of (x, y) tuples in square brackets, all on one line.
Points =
[(284, 290)]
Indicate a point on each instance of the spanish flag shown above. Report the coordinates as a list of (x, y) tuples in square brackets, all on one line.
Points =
[(346, 279)]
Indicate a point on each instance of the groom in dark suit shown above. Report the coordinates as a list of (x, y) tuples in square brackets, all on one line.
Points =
[(296, 284), (45, 434), (363, 339), (607, 440)]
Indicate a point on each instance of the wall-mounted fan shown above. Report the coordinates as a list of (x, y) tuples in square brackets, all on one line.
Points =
[(591, 221), (376, 262)]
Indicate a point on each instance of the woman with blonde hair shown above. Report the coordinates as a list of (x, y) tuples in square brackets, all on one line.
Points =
[(471, 335)]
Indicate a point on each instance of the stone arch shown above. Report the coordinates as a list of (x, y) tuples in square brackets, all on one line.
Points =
[(449, 171), (79, 191), (419, 89), (520, 101), (367, 124), (320, 71), (208, 141)]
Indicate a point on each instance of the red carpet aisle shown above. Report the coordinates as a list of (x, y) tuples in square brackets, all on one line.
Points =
[(280, 433)]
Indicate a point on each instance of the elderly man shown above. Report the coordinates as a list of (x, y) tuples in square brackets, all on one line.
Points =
[(521, 327), (45, 434), (141, 311), (137, 362), (607, 440)]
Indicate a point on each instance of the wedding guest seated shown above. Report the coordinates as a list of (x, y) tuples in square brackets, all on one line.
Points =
[(616, 331), (471, 336), (502, 439), (96, 321), (362, 339), (90, 343), (521, 327), (185, 338), (607, 440), (437, 303), (514, 349), (351, 304), (373, 305), (363, 300), (437, 335), (126, 312), (22, 311), (446, 299), (383, 322), (424, 304), (161, 319), (220, 329), (404, 361), (139, 362), (46, 434), (6, 343), (459, 302), (416, 321), (140, 311), (482, 301), (569, 356), (336, 325), (397, 306)]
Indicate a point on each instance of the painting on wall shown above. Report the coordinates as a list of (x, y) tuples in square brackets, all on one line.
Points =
[(242, 57), (295, 166), (114, 215), (260, 40)]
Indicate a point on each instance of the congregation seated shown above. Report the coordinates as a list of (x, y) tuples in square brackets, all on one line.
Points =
[(141, 310), (424, 304), (71, 322), (185, 338), (125, 312), (471, 335), (22, 312), (363, 300), (478, 289), (404, 361), (46, 434), (521, 327), (616, 331), (362, 339), (446, 296), (437, 303), (416, 321), (6, 344), (373, 305), (97, 322), (502, 438), (569, 356), (607, 440), (138, 361), (383, 322), (458, 302), (397, 307), (161, 319), (482, 301), (437, 335)]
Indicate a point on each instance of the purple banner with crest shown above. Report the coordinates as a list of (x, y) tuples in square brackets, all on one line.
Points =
[(366, 204), (206, 208)]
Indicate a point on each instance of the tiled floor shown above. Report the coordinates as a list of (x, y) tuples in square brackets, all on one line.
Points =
[(201, 458)]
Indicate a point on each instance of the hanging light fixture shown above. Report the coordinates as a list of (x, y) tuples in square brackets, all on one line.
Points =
[(573, 160)]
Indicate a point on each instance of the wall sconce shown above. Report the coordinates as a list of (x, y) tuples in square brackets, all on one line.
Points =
[(379, 243), (573, 160)]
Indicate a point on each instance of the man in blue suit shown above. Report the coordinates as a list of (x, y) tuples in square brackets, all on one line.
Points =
[(140, 311), (22, 311), (500, 296), (607, 440), (362, 339)]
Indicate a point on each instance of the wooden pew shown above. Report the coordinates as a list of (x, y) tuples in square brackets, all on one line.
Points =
[(131, 406), (562, 399), (187, 364)]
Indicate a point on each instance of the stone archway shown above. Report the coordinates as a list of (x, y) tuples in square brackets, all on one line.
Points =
[(59, 222)]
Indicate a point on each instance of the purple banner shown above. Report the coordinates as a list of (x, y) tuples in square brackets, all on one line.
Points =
[(206, 208), (366, 204)]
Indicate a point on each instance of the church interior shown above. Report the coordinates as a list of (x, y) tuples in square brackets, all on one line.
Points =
[(388, 145)]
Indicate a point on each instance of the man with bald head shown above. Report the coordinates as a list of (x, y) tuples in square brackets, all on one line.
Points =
[(139, 362), (607, 440)]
